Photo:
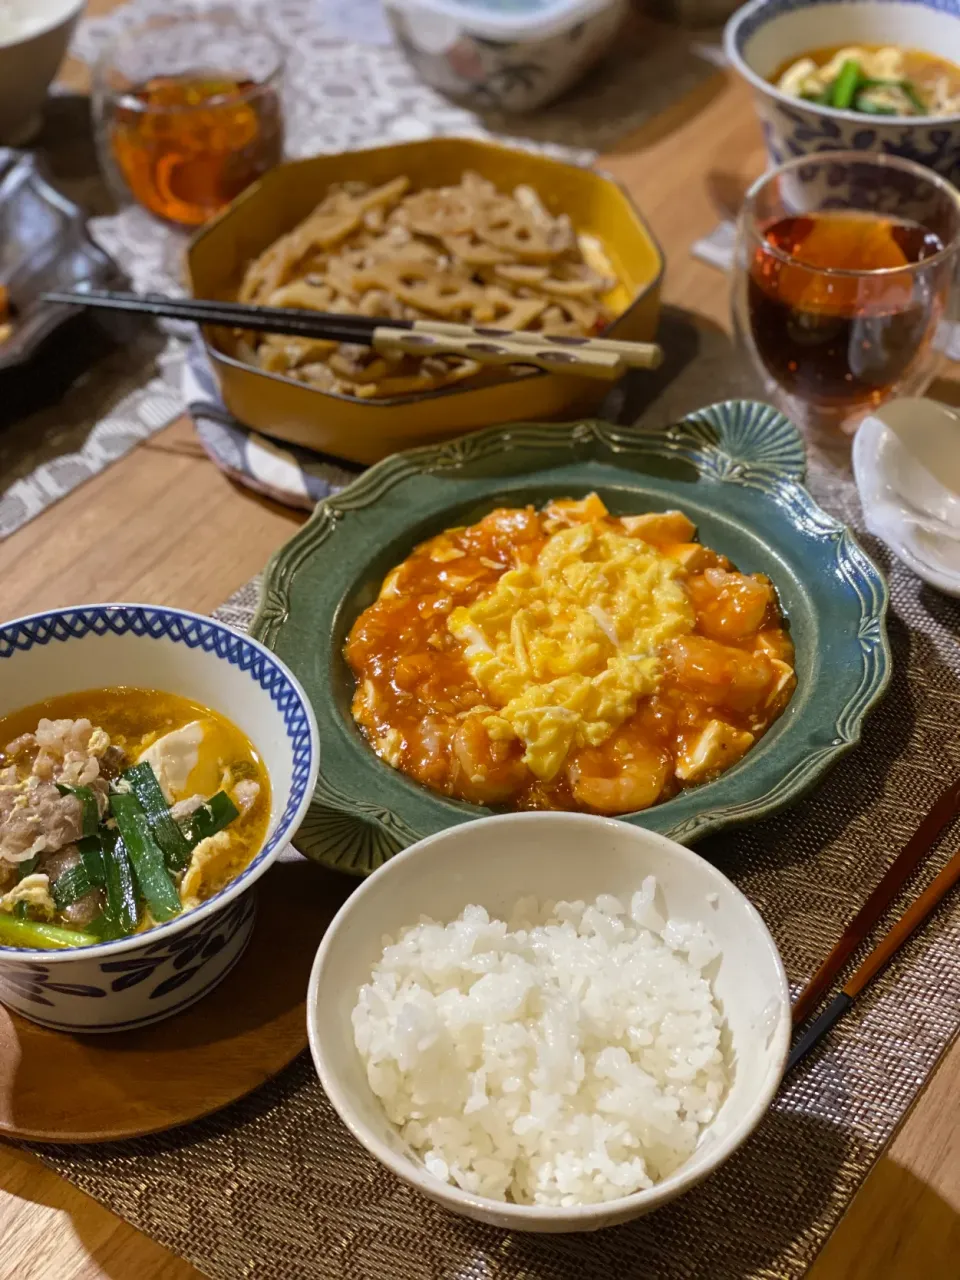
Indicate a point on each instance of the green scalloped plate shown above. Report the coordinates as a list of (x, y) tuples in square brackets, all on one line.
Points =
[(735, 468)]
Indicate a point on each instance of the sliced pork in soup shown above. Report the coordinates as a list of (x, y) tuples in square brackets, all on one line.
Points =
[(119, 809)]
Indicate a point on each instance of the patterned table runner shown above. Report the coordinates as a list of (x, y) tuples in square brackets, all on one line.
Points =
[(276, 1189)]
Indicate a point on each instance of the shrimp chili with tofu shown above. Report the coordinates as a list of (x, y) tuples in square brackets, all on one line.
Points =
[(569, 659), (119, 809)]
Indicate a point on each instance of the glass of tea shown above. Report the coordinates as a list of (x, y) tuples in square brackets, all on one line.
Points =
[(188, 113), (844, 271)]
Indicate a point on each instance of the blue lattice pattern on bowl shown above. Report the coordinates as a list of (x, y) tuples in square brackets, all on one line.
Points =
[(764, 34), (117, 985)]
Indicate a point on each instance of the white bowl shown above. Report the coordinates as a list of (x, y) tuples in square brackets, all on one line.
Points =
[(495, 861), (766, 33), (31, 51), (115, 986), (513, 59)]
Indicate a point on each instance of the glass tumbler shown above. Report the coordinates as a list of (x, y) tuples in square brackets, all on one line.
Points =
[(843, 277), (187, 113)]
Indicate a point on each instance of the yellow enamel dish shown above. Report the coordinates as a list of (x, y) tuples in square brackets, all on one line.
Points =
[(365, 430)]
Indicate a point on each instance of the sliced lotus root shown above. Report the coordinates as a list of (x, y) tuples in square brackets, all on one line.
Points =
[(441, 293), (301, 293), (318, 374), (509, 312), (447, 211), (268, 272), (477, 188), (323, 231), (588, 317), (381, 197), (472, 251), (531, 204), (507, 228), (522, 273)]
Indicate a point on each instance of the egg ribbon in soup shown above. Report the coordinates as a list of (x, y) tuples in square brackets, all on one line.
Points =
[(120, 808)]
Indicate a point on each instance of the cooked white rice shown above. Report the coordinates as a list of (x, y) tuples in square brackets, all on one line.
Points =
[(569, 1056)]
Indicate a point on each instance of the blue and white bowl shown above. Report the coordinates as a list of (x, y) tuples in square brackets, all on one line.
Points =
[(764, 34), (115, 986)]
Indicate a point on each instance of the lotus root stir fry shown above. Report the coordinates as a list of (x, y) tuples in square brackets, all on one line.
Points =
[(467, 253), (569, 659)]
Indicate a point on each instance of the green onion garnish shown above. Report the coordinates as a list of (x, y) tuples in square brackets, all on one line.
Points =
[(146, 857), (846, 84)]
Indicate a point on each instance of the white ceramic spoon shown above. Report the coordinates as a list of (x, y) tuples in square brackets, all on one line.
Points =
[(906, 460)]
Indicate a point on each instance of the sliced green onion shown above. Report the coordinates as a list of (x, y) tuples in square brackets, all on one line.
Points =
[(146, 857), (218, 812), (70, 886), (121, 908), (88, 802), (92, 856), (167, 834), (846, 84), (47, 937), (103, 928)]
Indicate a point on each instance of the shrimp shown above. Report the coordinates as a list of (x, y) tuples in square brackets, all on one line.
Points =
[(730, 606), (620, 776), (489, 772), (719, 675)]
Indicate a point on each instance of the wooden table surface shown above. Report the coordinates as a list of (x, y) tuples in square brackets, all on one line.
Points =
[(164, 525)]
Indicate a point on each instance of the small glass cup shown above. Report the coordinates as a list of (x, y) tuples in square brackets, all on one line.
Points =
[(844, 272), (188, 113)]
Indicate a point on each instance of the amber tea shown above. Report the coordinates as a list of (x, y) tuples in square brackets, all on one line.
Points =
[(186, 145), (828, 335)]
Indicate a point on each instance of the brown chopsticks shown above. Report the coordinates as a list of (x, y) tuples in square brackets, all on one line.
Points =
[(605, 358), (907, 860), (943, 811), (885, 949)]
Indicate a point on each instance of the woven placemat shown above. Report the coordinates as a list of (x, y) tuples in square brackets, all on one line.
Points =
[(275, 1187)]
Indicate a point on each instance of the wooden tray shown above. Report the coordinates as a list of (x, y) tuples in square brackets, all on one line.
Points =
[(56, 1087)]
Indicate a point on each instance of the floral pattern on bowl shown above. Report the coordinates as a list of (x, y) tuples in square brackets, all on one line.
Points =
[(764, 34), (508, 75)]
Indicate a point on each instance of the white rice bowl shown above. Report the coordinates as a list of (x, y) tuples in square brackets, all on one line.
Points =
[(568, 1056), (510, 1079)]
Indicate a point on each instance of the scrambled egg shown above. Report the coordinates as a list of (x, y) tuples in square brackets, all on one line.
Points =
[(566, 647), (34, 890), (208, 869)]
